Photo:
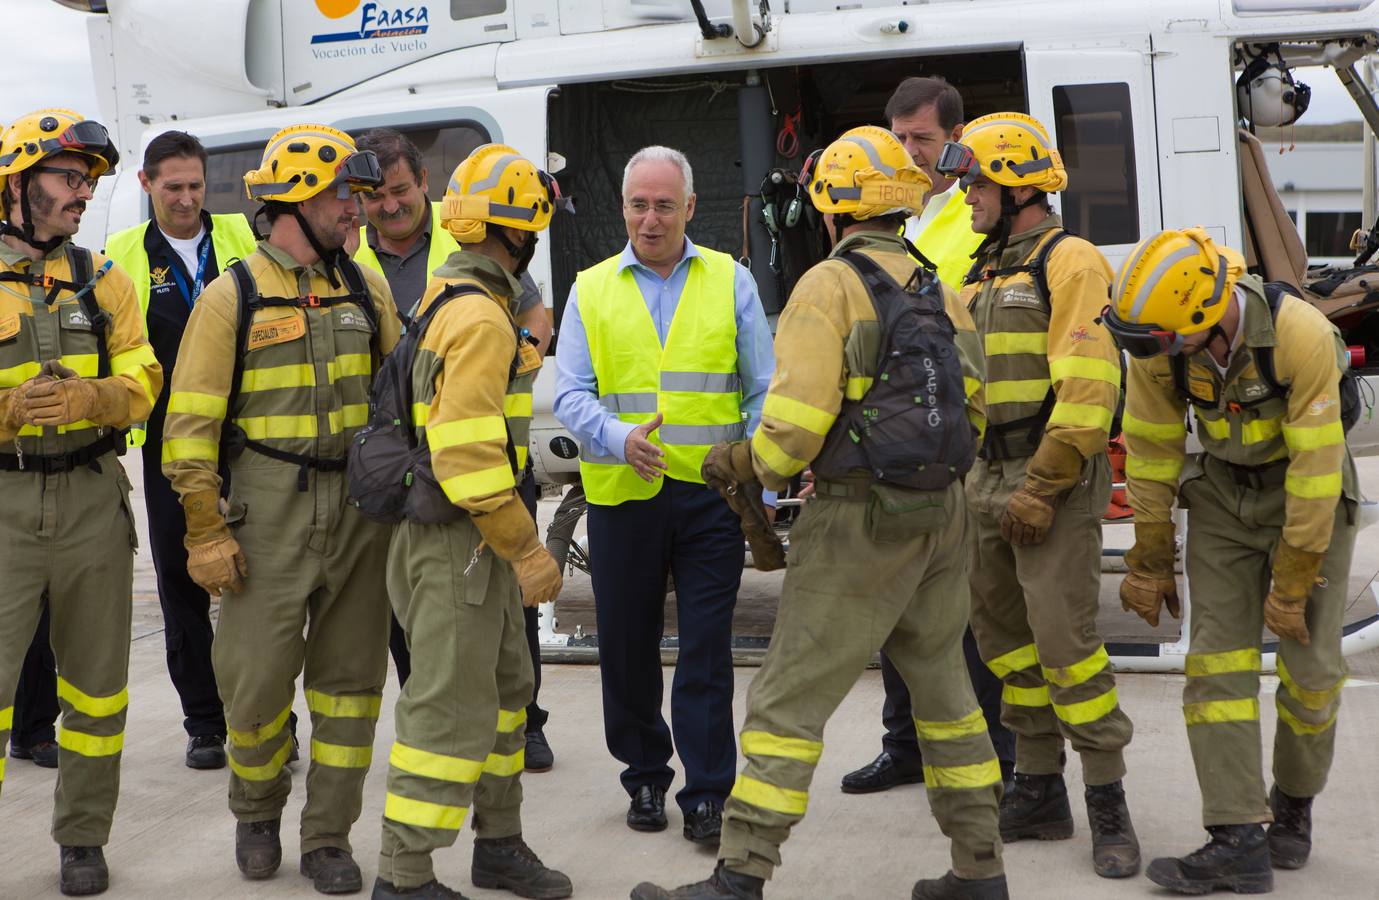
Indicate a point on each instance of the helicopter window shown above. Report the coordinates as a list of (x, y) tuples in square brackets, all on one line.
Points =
[(1096, 138), (473, 9), (1328, 233)]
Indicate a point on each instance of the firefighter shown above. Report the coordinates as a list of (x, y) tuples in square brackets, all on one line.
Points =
[(75, 372), (1053, 382), (1271, 511), (459, 587), (873, 565), (274, 373)]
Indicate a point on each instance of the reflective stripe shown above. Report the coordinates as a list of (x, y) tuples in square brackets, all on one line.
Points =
[(768, 796), (1166, 470), (1081, 415), (629, 403), (466, 431), (1085, 367), (1087, 710), (1202, 664), (1154, 431), (505, 766), (1313, 700), (1313, 438), (351, 415), (776, 459), (278, 377), (87, 365), (517, 405), (135, 358), (508, 721), (1211, 712), (1313, 487), (259, 428), (341, 756), (1006, 342), (1260, 430), (348, 365), (701, 382), (192, 403), (970, 386), (422, 814), (175, 449), (415, 761), (87, 705), (681, 435), (857, 387), (1151, 282), (475, 484), (6, 719), (976, 775), (1078, 672), (1029, 390), (1014, 661), (421, 414), (37, 431), (261, 735), (763, 743), (971, 724), (2, 768), (89, 744), (17, 375), (1018, 696), (797, 413), (1216, 429), (1298, 726), (266, 772), (346, 706)]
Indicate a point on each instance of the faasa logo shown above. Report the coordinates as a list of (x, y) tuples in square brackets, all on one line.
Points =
[(391, 19)]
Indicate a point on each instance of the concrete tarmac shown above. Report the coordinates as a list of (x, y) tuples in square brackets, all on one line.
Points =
[(174, 837)]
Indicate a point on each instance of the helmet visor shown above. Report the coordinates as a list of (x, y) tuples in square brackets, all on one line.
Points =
[(957, 160), (359, 172), (85, 137), (1140, 341)]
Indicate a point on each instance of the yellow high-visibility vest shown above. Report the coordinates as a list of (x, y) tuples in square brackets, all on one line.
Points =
[(442, 245)]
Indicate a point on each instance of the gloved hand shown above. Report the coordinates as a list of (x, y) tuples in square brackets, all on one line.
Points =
[(68, 398), (1296, 573), (728, 470), (1053, 469), (538, 576), (1150, 584), (728, 464), (12, 405), (217, 566), (509, 530)]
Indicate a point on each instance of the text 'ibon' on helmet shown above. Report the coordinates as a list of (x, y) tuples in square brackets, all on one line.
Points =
[(865, 173), (301, 161), (1010, 149), (1178, 281), (497, 185), (33, 138)]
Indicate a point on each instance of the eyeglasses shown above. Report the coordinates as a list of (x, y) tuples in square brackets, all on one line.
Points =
[(662, 208), (75, 179)]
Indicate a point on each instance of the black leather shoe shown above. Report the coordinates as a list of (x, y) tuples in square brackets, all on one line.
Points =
[(704, 823), (43, 753), (206, 751), (951, 887), (258, 851), (508, 864), (882, 774), (431, 890), (83, 871), (647, 812), (538, 755), (332, 871), (723, 884)]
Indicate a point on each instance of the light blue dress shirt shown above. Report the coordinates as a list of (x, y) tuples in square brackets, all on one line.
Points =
[(599, 431)]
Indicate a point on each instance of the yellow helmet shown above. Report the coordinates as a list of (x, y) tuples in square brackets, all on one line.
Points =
[(496, 184), (1173, 284), (865, 173), (33, 138), (301, 161), (1010, 149)]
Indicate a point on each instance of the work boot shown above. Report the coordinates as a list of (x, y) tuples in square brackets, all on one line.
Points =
[(1290, 837), (206, 751), (1236, 858), (507, 863), (1036, 807), (431, 890), (537, 756), (83, 871), (951, 887), (43, 753), (1115, 849), (258, 852), (332, 871), (723, 884)]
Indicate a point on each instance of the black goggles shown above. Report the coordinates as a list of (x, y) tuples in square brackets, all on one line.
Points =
[(86, 137), (811, 162), (957, 160), (1140, 341), (357, 172), (558, 201)]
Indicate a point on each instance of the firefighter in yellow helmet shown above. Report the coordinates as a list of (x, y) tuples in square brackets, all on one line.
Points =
[(877, 561), (459, 577), (274, 375), (1271, 510), (75, 372), (1053, 382)]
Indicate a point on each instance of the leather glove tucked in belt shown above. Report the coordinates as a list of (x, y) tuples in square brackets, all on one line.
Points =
[(1150, 585), (1053, 469), (728, 469), (214, 558), (67, 398), (1296, 573), (511, 533)]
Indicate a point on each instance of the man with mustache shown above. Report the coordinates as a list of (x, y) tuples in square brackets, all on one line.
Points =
[(171, 258), (279, 358)]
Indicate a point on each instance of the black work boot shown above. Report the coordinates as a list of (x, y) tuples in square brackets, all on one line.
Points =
[(332, 871), (723, 884), (83, 871), (1115, 849), (1036, 807), (507, 863), (431, 890), (951, 887), (1290, 837), (258, 852), (1236, 858)]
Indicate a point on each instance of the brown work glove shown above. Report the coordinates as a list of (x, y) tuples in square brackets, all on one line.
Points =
[(1053, 469), (214, 558), (728, 470), (1150, 584), (12, 404), (68, 398), (510, 533), (1296, 573), (728, 463), (538, 576)]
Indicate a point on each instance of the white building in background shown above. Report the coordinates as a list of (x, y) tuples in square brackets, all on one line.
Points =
[(1319, 184)]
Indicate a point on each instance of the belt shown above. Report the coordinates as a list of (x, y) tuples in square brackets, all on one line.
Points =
[(856, 490), (1255, 477), (56, 463), (321, 464)]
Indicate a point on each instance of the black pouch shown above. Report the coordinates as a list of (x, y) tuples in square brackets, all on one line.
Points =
[(897, 514)]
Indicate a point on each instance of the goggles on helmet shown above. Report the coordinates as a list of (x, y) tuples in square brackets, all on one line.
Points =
[(957, 160), (811, 162), (1140, 341), (86, 137), (359, 172), (562, 203)]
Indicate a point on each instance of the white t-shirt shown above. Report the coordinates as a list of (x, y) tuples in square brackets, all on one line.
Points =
[(915, 225), (188, 249), (1235, 341)]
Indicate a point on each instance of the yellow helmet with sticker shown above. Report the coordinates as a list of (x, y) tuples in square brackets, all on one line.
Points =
[(301, 161), (33, 138), (497, 185), (1010, 149), (865, 173)]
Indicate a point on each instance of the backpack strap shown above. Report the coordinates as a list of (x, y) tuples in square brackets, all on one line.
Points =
[(1274, 292), (79, 259), (1036, 267)]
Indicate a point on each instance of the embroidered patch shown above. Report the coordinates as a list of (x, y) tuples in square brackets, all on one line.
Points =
[(1255, 389), (158, 274), (275, 331), (1080, 334), (352, 318), (1019, 296), (76, 318), (1320, 405), (9, 326)]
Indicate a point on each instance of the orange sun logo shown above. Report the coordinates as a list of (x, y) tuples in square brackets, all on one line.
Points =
[(334, 9)]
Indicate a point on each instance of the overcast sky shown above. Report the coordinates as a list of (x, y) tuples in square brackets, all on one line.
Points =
[(53, 46)]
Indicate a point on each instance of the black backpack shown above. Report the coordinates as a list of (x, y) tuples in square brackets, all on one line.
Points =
[(389, 470), (1274, 292), (910, 428)]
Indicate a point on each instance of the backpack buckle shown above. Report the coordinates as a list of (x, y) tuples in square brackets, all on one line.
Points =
[(312, 301), (44, 281), (1234, 407)]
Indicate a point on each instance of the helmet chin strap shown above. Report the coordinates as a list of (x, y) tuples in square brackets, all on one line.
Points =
[(26, 232), (330, 259), (521, 255)]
